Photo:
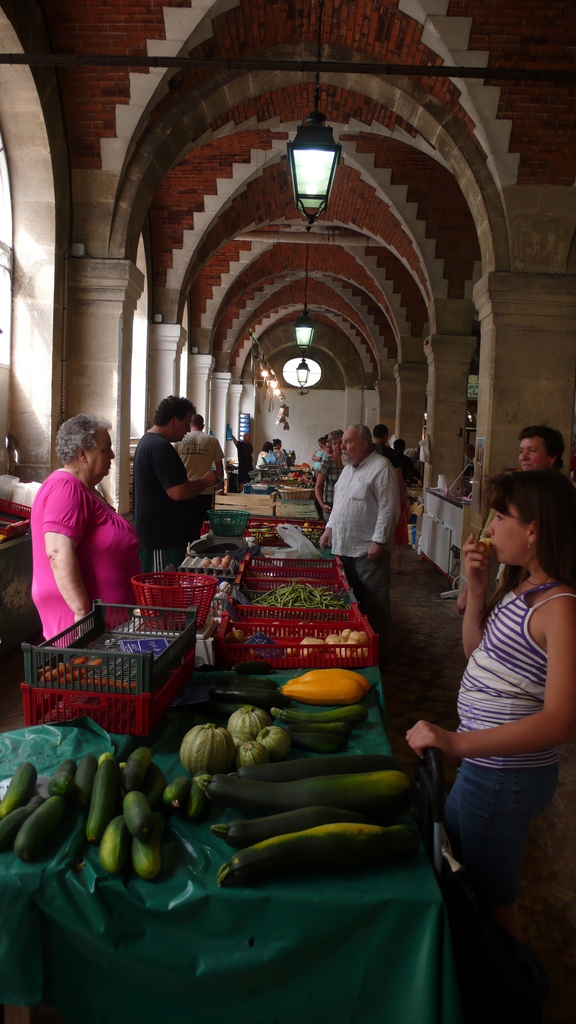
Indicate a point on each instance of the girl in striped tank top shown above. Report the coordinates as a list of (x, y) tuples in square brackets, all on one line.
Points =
[(517, 697)]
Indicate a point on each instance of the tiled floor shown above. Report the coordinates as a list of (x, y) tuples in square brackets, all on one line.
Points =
[(421, 680)]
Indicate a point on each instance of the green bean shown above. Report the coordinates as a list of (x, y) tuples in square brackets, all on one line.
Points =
[(300, 595)]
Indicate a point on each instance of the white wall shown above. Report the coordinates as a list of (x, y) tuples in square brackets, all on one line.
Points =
[(311, 416)]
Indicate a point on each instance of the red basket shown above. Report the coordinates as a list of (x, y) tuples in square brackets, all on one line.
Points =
[(256, 614), (176, 590), (257, 584), (287, 652), (116, 713), (20, 516), (311, 569), (264, 530)]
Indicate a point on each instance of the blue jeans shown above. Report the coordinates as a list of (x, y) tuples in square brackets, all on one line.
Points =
[(487, 815)]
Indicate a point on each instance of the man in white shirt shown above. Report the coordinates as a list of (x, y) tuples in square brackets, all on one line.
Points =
[(199, 453), (361, 526)]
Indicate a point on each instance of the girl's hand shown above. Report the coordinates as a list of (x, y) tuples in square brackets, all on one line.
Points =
[(477, 563), (424, 734)]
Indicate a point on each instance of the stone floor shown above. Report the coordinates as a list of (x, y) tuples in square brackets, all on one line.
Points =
[(421, 680)]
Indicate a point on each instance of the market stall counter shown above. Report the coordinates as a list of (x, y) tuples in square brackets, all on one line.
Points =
[(366, 948)]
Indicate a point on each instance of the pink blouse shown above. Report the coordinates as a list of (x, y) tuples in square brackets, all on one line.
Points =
[(107, 549)]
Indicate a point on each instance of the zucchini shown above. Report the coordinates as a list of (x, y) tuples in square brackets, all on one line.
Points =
[(67, 767), (108, 755), (382, 795), (258, 695), (245, 682), (84, 779), (310, 767), (154, 785), (327, 849), (138, 815), (12, 823), (177, 792), (36, 829), (20, 790), (353, 713), (136, 767), (322, 728), (197, 801), (103, 799), (115, 845), (62, 784), (147, 857), (318, 743), (219, 709), (253, 668), (255, 830)]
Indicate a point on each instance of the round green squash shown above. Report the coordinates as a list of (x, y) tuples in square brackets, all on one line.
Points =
[(207, 748), (276, 740), (248, 719), (251, 753)]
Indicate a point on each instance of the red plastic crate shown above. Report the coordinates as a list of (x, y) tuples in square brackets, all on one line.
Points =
[(20, 514), (256, 614), (176, 590), (272, 582), (287, 652), (116, 713)]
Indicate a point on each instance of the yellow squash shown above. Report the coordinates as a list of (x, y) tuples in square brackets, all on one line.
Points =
[(327, 675), (315, 688)]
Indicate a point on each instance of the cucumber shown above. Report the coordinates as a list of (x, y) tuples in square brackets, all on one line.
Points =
[(20, 790), (67, 767), (311, 767), (382, 795), (197, 801), (327, 849), (318, 743), (103, 799), (260, 696), (154, 785), (115, 845), (62, 784), (84, 779), (353, 713), (136, 767), (36, 829), (177, 792), (108, 755), (253, 668), (255, 830), (322, 728), (12, 823), (138, 815), (147, 857)]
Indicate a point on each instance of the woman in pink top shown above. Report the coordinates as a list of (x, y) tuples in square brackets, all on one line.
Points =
[(82, 549)]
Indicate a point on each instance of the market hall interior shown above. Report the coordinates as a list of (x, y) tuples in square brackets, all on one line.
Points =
[(150, 242)]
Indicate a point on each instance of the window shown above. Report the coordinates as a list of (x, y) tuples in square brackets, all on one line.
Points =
[(289, 372)]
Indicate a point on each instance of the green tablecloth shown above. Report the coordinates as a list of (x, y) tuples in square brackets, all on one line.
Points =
[(363, 949)]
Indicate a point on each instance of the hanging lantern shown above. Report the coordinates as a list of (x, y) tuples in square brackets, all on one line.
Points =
[(302, 373), (313, 160), (304, 331)]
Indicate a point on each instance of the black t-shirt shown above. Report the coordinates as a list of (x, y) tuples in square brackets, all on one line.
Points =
[(389, 454), (245, 463), (160, 521), (407, 466)]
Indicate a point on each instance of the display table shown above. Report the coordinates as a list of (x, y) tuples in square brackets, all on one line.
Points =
[(368, 948), (445, 526)]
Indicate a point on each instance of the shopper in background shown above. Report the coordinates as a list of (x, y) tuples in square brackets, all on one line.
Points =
[(406, 465), (82, 549), (361, 526), (245, 459), (279, 453), (164, 507), (266, 457), (200, 452), (540, 448), (326, 479), (319, 453)]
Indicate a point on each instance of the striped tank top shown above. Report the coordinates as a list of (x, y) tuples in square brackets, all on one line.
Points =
[(505, 677)]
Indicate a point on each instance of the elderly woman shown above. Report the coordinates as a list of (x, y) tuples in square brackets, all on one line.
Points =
[(82, 549), (331, 468)]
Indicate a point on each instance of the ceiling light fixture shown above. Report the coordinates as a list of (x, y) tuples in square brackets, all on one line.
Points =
[(302, 373), (304, 326)]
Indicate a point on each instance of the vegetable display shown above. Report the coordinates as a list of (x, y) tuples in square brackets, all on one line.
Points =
[(254, 830), (207, 748), (299, 595), (317, 689)]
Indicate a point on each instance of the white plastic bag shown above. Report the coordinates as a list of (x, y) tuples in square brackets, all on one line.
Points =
[(297, 542)]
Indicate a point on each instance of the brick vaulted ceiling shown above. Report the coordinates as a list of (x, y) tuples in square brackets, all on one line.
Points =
[(211, 176)]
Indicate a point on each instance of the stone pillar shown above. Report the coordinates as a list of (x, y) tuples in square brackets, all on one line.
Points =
[(353, 397), (198, 391), (232, 416), (448, 363), (166, 342), (386, 388), (102, 297), (219, 386), (527, 360), (411, 375)]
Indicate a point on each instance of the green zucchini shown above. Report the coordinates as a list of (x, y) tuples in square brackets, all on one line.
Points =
[(177, 792), (20, 790), (197, 801), (257, 695), (382, 795), (147, 857), (318, 743), (327, 849), (67, 767), (353, 713), (36, 829), (136, 767), (115, 845), (310, 767), (62, 784), (12, 823), (103, 799), (138, 815), (253, 668), (154, 785), (84, 779), (225, 679), (322, 728), (219, 709), (255, 830)]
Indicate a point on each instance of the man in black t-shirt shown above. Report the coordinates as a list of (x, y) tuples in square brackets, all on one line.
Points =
[(164, 505), (380, 437), (245, 458)]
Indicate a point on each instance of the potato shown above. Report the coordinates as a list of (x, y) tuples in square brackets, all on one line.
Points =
[(345, 634), (309, 640), (334, 638)]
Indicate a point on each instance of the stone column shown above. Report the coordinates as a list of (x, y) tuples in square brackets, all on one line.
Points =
[(411, 375), (166, 342), (198, 391), (219, 386), (386, 388), (448, 363), (232, 416), (527, 360), (102, 297)]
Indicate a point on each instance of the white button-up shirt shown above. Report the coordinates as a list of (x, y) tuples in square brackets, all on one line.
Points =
[(366, 507)]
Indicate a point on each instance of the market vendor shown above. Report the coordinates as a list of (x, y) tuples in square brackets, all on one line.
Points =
[(164, 509), (200, 452), (82, 549)]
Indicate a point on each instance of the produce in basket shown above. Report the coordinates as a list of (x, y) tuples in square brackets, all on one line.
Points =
[(207, 748)]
